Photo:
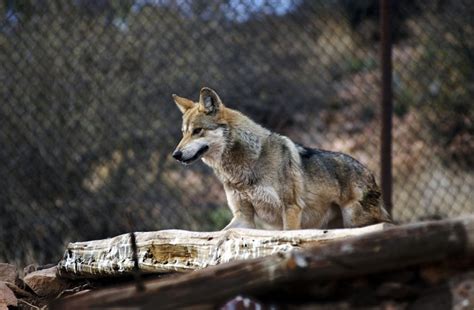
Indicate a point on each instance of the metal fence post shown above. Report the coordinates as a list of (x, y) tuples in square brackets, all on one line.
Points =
[(387, 107)]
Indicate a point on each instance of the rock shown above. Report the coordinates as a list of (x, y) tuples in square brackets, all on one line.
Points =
[(462, 288), (8, 273), (46, 283), (19, 292), (7, 297), (29, 269), (47, 266)]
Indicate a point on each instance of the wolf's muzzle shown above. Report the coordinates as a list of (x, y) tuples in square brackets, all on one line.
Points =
[(178, 155)]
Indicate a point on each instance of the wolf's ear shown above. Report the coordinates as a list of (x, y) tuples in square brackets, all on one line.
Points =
[(183, 103), (209, 101)]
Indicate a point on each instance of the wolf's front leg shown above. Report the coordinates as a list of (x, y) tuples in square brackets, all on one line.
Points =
[(292, 217), (242, 211), (239, 222)]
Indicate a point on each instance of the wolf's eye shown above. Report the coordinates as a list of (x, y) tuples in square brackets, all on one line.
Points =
[(197, 131)]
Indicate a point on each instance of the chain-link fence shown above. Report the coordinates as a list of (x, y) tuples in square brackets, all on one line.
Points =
[(87, 123)]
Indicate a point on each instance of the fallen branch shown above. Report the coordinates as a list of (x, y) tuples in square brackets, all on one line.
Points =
[(393, 249), (179, 250)]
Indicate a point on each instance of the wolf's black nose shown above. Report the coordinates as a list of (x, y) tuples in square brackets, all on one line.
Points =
[(177, 155)]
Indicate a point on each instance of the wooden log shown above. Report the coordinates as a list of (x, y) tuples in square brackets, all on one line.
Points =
[(393, 249), (179, 250)]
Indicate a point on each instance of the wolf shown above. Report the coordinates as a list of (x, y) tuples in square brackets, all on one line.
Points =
[(267, 175)]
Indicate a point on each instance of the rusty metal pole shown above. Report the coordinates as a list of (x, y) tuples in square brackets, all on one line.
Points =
[(387, 107)]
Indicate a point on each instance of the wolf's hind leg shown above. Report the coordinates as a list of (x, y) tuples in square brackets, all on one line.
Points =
[(292, 217)]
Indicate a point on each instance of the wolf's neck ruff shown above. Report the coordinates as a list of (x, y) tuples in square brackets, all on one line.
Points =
[(241, 151)]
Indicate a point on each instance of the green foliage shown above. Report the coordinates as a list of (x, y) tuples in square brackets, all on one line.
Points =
[(219, 218), (356, 65), (403, 99)]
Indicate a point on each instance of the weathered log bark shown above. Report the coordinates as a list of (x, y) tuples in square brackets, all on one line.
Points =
[(179, 250), (393, 249)]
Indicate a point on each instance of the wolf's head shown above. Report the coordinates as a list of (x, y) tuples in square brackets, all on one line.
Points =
[(203, 128)]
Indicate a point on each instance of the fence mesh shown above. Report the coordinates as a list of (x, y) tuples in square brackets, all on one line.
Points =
[(87, 121)]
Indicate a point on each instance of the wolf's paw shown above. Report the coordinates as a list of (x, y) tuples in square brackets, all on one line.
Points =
[(238, 223)]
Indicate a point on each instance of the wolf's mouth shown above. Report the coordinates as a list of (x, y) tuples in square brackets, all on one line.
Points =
[(196, 156)]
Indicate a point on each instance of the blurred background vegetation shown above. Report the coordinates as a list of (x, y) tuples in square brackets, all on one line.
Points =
[(87, 123)]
